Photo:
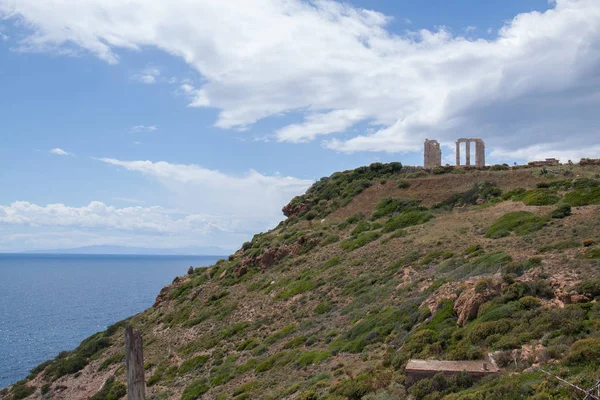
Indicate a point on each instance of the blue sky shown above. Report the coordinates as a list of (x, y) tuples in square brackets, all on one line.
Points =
[(191, 124)]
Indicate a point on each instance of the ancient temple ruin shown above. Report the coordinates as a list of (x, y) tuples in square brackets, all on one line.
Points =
[(433, 154), (479, 152)]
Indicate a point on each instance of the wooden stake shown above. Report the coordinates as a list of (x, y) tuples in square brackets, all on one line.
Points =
[(134, 361)]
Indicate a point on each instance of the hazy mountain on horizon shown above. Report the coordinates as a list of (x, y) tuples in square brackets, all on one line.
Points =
[(113, 249)]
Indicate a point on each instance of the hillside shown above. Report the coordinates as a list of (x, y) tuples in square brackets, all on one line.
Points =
[(373, 267)]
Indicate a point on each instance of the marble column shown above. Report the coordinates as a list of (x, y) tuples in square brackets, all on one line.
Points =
[(458, 154), (468, 148)]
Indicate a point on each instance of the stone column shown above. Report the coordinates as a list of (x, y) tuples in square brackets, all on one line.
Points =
[(458, 154), (468, 145)]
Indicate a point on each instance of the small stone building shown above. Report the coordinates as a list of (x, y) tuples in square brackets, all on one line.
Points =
[(548, 162), (419, 369)]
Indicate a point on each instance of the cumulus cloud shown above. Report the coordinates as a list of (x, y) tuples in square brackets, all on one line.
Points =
[(26, 225), (59, 152), (144, 128), (148, 75), (253, 197), (97, 214), (536, 82)]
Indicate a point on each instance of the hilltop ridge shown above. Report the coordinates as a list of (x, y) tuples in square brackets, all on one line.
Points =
[(372, 267)]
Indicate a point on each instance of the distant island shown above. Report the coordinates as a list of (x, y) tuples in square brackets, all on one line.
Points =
[(123, 250)]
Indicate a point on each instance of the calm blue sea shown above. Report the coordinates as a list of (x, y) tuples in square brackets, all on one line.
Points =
[(50, 303)]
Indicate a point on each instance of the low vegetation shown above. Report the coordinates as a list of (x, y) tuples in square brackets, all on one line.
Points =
[(519, 222), (373, 267)]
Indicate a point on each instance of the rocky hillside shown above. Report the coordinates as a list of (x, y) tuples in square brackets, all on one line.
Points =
[(373, 267)]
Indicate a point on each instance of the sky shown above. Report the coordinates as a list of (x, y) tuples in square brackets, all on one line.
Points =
[(180, 123)]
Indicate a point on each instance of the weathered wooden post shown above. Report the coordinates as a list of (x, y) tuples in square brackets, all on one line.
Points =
[(134, 361)]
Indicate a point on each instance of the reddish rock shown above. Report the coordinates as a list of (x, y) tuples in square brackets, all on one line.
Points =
[(223, 274), (190, 270), (290, 210), (240, 271), (578, 298), (468, 303), (162, 297)]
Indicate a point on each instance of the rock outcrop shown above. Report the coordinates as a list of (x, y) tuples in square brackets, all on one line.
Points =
[(468, 303)]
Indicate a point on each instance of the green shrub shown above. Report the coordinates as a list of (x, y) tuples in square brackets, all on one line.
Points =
[(592, 253), (164, 372), (279, 359), (361, 240), (355, 218), (333, 261), (116, 358), (295, 342), (20, 390), (520, 222), (541, 288), (585, 351), (45, 389), (403, 184), (248, 344), (404, 220), (192, 364), (530, 302), (562, 245), (312, 357), (436, 255), (499, 312), (562, 211), (354, 389), (296, 287), (583, 197), (387, 207), (515, 194), (540, 197), (286, 330), (246, 387), (111, 390), (232, 330), (484, 190), (589, 286), (482, 285), (474, 248), (585, 183), (532, 262), (484, 329), (487, 263), (195, 390), (363, 226), (324, 307)]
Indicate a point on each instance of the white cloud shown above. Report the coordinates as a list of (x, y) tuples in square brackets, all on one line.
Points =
[(25, 225), (59, 152), (319, 124), (254, 198), (98, 215), (536, 82), (144, 128), (187, 88), (148, 75)]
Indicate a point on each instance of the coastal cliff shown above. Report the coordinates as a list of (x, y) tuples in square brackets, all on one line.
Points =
[(371, 268)]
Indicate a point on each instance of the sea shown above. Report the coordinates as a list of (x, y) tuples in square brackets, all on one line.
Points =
[(51, 302)]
